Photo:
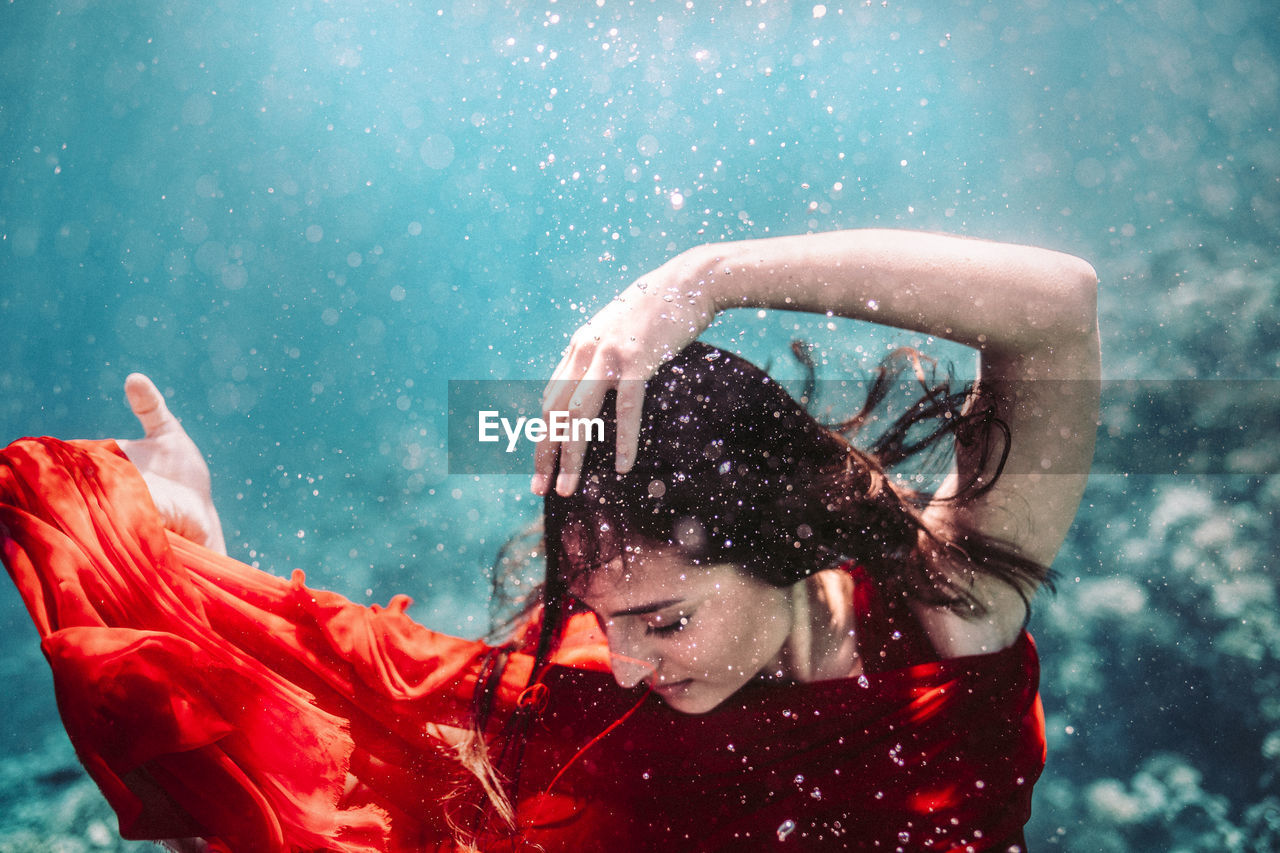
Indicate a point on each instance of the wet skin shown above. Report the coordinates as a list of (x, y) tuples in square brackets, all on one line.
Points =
[(694, 633)]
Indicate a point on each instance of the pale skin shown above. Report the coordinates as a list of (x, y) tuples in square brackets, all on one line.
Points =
[(172, 466), (695, 634), (1029, 312)]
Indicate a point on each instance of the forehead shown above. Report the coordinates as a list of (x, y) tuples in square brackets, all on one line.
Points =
[(644, 575)]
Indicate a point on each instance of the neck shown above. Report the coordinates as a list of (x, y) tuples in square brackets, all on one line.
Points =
[(822, 644)]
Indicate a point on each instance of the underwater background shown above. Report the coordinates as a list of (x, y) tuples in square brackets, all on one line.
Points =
[(304, 219)]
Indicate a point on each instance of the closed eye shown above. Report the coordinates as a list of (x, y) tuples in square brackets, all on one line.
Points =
[(667, 630)]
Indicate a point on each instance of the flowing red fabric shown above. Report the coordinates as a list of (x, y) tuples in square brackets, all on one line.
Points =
[(209, 699)]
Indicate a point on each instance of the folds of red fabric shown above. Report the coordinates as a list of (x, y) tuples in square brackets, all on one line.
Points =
[(210, 699)]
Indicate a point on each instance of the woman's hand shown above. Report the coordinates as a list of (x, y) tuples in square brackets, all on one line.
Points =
[(172, 466), (618, 349)]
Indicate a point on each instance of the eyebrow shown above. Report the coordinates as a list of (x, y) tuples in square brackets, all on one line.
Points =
[(642, 609)]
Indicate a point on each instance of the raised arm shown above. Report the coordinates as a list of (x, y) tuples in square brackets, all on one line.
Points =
[(995, 297), (1029, 312)]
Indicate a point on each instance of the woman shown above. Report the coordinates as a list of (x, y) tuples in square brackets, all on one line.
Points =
[(709, 581), (1030, 313), (729, 639)]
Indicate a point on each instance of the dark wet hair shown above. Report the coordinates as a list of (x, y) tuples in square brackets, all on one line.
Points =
[(731, 468)]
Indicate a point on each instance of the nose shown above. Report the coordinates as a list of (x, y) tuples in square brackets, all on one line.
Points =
[(629, 670)]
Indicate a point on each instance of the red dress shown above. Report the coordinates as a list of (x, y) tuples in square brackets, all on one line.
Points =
[(209, 699)]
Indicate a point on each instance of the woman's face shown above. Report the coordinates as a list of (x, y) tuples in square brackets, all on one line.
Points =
[(694, 633)]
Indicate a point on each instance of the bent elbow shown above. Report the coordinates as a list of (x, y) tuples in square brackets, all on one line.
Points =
[(1084, 281), (1083, 273), (1077, 313)]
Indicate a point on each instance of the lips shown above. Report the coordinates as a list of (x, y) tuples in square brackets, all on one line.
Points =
[(671, 686)]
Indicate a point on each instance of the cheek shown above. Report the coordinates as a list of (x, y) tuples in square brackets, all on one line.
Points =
[(770, 624), (703, 650), (735, 642)]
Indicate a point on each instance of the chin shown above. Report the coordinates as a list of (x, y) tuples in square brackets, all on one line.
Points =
[(691, 702), (691, 708)]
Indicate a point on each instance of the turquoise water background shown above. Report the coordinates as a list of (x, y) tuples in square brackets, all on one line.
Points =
[(303, 220)]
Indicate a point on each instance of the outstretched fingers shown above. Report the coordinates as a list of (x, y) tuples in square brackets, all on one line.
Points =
[(577, 388), (172, 467), (629, 407), (555, 397), (618, 349), (585, 403), (148, 405)]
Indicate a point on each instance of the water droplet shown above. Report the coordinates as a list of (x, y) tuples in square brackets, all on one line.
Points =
[(437, 151), (863, 682), (786, 828), (816, 794), (799, 779)]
